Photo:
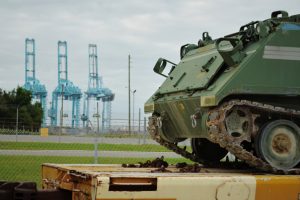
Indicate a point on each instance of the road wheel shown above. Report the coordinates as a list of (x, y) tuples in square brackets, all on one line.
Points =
[(278, 143)]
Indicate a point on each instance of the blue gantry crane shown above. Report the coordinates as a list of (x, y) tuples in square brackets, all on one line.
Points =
[(32, 84), (65, 89), (97, 92)]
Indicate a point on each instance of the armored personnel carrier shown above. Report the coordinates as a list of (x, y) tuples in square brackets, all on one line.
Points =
[(237, 94)]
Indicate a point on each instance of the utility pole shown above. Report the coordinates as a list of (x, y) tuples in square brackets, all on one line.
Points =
[(129, 90), (133, 92)]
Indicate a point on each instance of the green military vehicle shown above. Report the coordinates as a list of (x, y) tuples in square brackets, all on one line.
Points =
[(237, 94)]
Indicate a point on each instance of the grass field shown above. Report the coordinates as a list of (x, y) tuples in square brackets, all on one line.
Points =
[(78, 146), (28, 168)]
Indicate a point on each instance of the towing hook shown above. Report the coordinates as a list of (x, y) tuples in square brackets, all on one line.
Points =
[(194, 118), (159, 122)]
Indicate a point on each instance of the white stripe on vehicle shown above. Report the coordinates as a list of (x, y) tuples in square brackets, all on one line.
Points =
[(281, 53)]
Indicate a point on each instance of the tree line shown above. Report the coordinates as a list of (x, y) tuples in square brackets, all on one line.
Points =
[(29, 114)]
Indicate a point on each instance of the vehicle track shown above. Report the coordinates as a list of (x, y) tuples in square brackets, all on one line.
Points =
[(218, 134)]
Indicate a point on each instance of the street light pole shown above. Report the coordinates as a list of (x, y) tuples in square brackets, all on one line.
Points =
[(129, 120), (61, 111), (139, 120), (96, 137)]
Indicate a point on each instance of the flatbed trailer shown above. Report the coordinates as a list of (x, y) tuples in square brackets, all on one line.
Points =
[(110, 182)]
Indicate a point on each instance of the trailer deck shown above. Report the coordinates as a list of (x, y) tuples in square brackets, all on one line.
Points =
[(108, 182)]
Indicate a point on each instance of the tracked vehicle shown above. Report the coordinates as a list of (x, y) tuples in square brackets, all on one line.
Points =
[(238, 94)]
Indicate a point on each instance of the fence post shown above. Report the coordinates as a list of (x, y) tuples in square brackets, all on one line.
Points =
[(17, 123)]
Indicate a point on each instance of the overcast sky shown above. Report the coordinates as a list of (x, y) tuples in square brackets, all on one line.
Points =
[(146, 29)]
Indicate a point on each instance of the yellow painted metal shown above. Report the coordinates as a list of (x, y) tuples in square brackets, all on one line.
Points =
[(44, 132), (206, 101), (111, 182), (277, 187), (149, 108)]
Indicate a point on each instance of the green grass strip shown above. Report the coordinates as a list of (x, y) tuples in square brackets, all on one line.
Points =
[(80, 146)]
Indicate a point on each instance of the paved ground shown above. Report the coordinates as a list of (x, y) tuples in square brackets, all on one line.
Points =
[(83, 153), (74, 139), (78, 139)]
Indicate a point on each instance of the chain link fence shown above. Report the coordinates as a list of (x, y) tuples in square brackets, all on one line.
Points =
[(23, 150)]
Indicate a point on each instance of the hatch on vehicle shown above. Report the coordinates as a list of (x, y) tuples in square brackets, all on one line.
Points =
[(193, 72)]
